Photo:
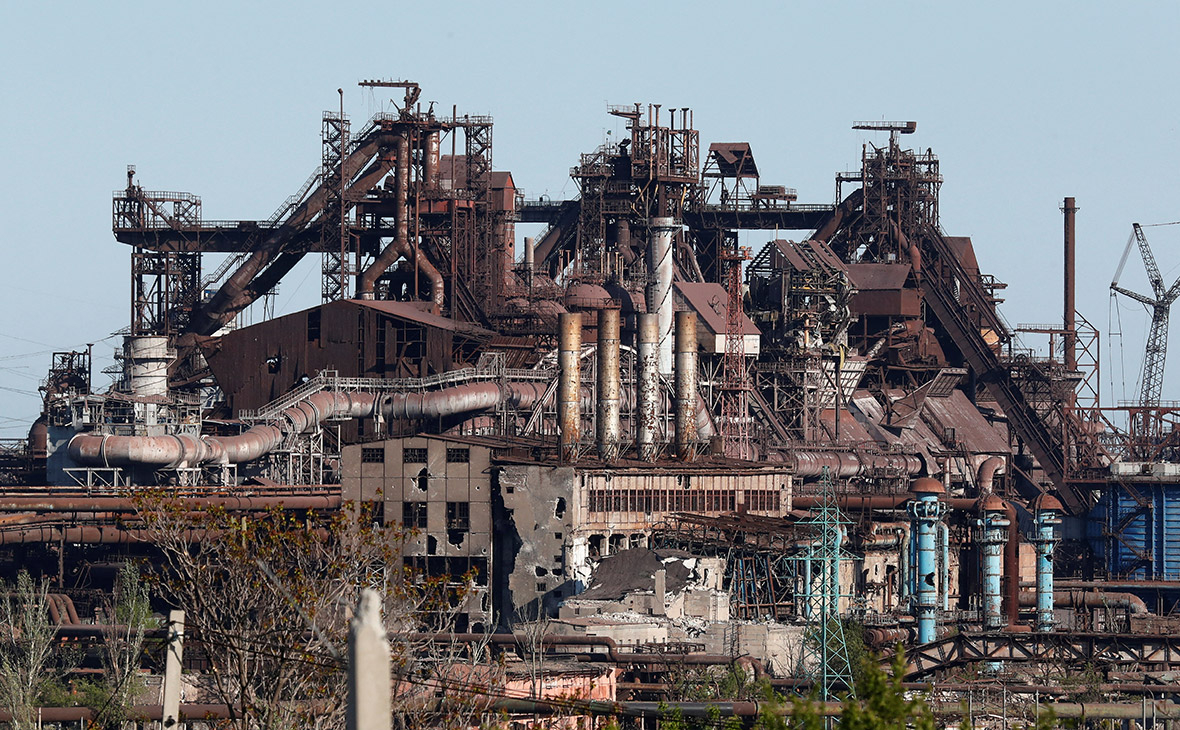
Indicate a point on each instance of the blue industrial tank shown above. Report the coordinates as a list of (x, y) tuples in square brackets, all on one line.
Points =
[(1137, 536)]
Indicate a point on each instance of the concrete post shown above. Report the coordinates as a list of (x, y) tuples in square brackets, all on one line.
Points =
[(648, 385), (661, 590), (369, 676), (925, 510), (172, 669)]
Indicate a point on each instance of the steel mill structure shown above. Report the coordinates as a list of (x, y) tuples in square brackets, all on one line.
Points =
[(627, 422)]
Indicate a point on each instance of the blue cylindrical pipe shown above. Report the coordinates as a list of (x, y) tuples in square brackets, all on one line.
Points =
[(925, 511), (1048, 516), (993, 534), (944, 573)]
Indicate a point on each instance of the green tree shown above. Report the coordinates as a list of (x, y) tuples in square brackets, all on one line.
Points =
[(31, 663), (266, 599), (128, 615), (881, 702)]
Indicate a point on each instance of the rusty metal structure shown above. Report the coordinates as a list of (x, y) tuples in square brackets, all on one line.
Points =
[(626, 383)]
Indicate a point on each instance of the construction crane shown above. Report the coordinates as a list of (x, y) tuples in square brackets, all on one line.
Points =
[(1144, 422)]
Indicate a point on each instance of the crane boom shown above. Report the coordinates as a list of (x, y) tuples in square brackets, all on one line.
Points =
[(1144, 422)]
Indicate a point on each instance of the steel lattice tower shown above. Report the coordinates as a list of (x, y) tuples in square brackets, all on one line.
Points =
[(735, 407), (824, 655)]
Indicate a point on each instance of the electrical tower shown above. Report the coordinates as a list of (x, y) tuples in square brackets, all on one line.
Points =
[(824, 655), (1145, 424), (735, 406)]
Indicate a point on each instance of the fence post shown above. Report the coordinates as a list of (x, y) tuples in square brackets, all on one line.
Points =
[(368, 667)]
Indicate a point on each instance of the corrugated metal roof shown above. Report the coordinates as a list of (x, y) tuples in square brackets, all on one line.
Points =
[(970, 427), (806, 255), (710, 301)]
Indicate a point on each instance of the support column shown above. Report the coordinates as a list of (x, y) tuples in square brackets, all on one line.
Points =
[(926, 510)]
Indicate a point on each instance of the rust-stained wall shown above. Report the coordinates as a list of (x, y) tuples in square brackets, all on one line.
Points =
[(256, 364)]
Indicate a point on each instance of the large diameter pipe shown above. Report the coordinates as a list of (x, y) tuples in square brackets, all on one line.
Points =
[(851, 463), (1085, 599), (648, 385), (686, 385), (659, 267), (608, 384), (367, 282), (1070, 314), (569, 406), (430, 163)]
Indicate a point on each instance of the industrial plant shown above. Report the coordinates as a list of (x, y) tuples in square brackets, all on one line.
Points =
[(692, 422)]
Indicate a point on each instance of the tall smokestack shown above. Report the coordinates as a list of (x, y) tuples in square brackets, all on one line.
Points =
[(608, 384), (649, 385), (659, 295), (686, 385), (1071, 338), (569, 406)]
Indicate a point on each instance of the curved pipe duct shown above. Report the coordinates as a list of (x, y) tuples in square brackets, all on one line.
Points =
[(1090, 599), (851, 464)]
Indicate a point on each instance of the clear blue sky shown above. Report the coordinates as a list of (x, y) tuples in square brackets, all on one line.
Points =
[(1025, 103)]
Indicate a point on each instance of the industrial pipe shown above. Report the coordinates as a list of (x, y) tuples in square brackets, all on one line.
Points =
[(992, 535), (649, 385), (686, 385), (1047, 514), (851, 463), (1070, 209), (1085, 599), (659, 294), (986, 475), (367, 282), (569, 406), (608, 384), (430, 163), (926, 512)]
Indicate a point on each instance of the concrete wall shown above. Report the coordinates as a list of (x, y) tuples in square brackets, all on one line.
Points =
[(442, 478)]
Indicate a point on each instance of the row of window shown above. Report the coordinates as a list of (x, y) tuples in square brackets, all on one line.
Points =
[(413, 455), (414, 515), (680, 500)]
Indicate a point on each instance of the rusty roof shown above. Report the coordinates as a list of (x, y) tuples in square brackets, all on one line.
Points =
[(971, 427), (734, 159), (869, 277), (805, 256), (416, 312), (710, 301)]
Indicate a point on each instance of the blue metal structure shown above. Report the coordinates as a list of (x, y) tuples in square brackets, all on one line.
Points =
[(1134, 531), (1047, 514), (926, 511), (992, 536)]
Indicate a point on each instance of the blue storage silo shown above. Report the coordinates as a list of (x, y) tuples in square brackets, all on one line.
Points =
[(1138, 538)]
